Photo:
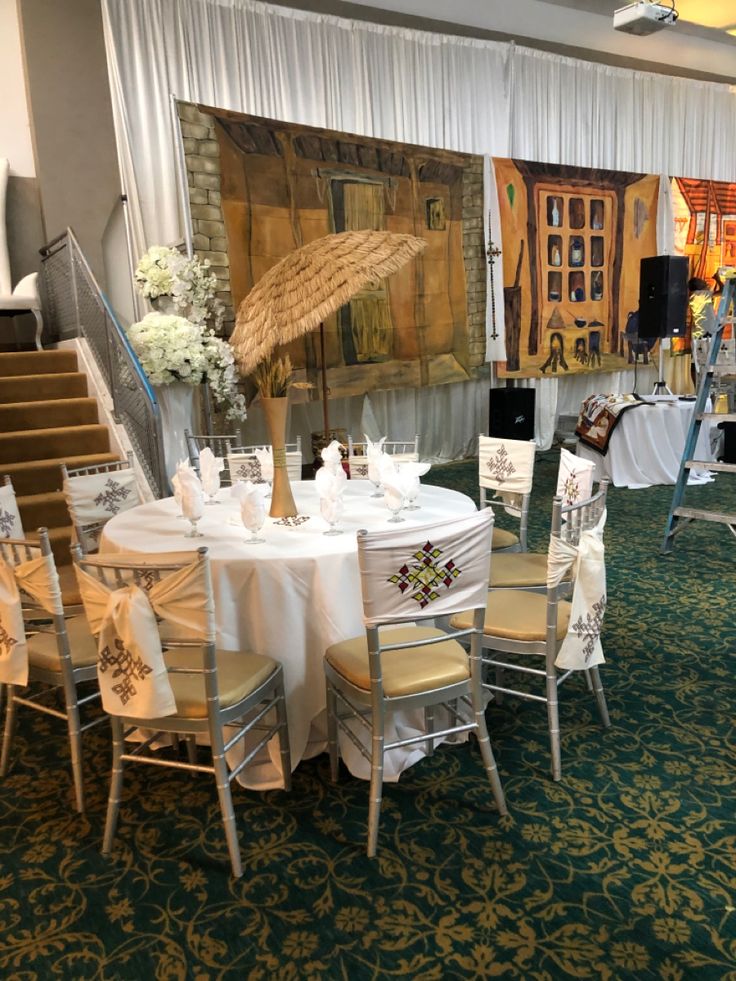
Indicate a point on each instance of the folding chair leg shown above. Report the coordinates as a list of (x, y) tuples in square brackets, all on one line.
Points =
[(191, 742), (429, 727), (600, 696), (376, 788), (222, 778), (333, 746), (9, 731), (75, 746), (553, 719), (489, 761), (284, 748), (497, 695), (116, 784)]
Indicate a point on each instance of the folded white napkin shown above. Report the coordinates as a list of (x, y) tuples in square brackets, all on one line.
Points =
[(409, 476), (393, 495), (192, 495), (332, 456), (265, 459), (375, 454), (330, 483), (331, 509), (252, 503), (210, 467)]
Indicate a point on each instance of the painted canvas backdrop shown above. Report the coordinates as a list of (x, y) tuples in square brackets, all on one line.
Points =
[(260, 188), (572, 241)]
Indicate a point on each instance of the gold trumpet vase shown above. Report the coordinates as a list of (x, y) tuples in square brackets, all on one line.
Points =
[(282, 500)]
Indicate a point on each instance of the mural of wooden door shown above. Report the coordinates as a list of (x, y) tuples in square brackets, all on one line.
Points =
[(365, 322)]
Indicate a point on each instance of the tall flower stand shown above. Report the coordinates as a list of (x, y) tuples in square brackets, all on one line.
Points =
[(282, 500), (176, 402)]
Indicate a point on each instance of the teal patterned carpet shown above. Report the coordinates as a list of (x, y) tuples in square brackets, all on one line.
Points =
[(624, 869)]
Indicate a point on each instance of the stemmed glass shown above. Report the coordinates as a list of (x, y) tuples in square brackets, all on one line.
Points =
[(253, 517), (374, 475), (394, 502), (411, 494), (331, 510)]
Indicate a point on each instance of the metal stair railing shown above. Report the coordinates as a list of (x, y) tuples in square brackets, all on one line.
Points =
[(680, 516), (77, 307)]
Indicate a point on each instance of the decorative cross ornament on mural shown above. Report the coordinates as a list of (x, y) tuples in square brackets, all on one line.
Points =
[(492, 252), (7, 520), (425, 577), (500, 466), (589, 628), (112, 496), (125, 664)]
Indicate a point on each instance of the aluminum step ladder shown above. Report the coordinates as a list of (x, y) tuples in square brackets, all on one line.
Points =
[(679, 516)]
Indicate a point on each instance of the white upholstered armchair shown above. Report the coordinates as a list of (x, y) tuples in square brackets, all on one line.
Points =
[(25, 298)]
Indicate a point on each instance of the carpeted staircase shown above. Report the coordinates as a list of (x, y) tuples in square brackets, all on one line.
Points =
[(46, 419)]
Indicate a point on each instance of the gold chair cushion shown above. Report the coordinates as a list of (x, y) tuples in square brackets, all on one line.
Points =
[(44, 654), (406, 671), (239, 673), (503, 539), (518, 569), (513, 614)]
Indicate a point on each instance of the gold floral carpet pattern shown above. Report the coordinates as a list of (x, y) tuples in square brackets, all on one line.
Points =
[(624, 869)]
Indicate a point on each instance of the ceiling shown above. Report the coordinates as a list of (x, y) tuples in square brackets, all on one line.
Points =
[(701, 18)]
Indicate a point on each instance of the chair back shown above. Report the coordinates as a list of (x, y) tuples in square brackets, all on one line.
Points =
[(569, 521), (403, 451), (506, 467), (29, 592), (10, 523), (97, 493), (433, 571), (126, 598), (220, 446), (574, 478), (243, 463)]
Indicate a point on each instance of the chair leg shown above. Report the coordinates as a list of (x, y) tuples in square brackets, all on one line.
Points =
[(284, 748), (600, 696), (553, 718), (191, 742), (429, 727), (116, 784), (75, 745), (39, 328), (222, 778), (333, 745), (489, 761), (9, 731), (376, 788)]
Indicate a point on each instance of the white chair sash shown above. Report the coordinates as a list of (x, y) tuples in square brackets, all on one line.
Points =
[(506, 465), (435, 570), (130, 668), (581, 648), (574, 479), (10, 523), (95, 498), (36, 577)]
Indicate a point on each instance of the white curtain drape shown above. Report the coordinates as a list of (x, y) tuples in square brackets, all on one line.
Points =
[(436, 90)]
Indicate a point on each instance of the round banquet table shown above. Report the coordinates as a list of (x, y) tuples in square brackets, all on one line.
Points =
[(289, 598)]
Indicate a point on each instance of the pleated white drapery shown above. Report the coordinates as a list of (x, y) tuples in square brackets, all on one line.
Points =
[(463, 94)]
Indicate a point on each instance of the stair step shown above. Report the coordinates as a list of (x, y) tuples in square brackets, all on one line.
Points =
[(37, 362), (60, 385), (47, 510), (21, 416), (60, 540), (696, 513), (16, 447), (37, 476), (711, 465)]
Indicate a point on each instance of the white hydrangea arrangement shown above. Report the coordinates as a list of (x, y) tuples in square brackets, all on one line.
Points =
[(185, 348)]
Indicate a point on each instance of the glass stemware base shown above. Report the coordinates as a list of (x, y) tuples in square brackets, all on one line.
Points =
[(396, 516), (193, 533), (412, 507), (255, 539), (333, 531)]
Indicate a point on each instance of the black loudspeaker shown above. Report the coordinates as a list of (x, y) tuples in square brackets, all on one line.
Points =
[(663, 296), (511, 413)]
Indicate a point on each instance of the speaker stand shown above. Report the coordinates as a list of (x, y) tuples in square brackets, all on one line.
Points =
[(660, 386)]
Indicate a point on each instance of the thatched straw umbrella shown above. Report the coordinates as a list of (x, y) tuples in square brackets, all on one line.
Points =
[(297, 294)]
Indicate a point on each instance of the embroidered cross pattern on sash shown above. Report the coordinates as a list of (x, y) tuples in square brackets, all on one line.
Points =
[(112, 496), (7, 643), (7, 520), (248, 470), (589, 629), (427, 576), (500, 466), (571, 489), (125, 664)]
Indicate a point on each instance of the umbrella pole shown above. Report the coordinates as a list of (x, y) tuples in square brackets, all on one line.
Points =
[(323, 368)]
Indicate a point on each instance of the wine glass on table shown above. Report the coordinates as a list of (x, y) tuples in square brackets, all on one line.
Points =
[(253, 515), (331, 510)]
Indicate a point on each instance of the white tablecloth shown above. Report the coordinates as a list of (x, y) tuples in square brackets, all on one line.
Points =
[(289, 598), (647, 445)]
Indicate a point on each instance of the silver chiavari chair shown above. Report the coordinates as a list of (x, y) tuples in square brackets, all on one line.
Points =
[(91, 509), (410, 576), (221, 446), (243, 464), (211, 688), (61, 654), (403, 450), (495, 468), (521, 625)]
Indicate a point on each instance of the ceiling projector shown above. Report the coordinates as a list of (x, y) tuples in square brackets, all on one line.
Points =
[(644, 17)]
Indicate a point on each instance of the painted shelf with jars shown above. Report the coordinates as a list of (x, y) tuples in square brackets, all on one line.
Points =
[(576, 242)]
